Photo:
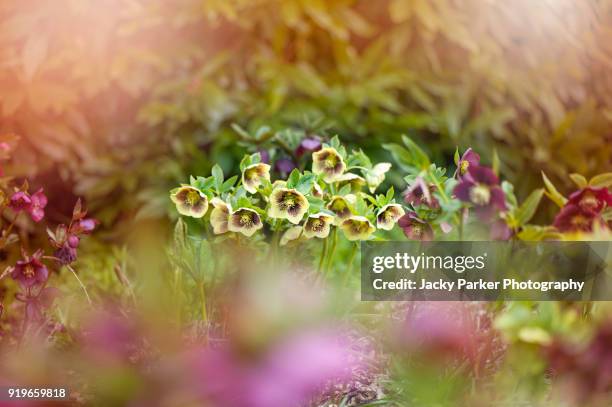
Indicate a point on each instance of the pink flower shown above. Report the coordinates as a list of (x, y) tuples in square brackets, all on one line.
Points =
[(480, 187), (34, 204), (30, 271), (37, 208), (415, 228)]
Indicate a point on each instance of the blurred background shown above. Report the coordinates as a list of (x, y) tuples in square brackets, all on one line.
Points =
[(119, 100)]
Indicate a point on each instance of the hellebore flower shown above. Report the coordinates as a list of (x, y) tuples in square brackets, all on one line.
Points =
[(591, 199), (469, 159), (415, 228), (291, 234), (190, 201), (420, 193), (572, 218), (388, 215), (318, 225), (66, 254), (308, 145), (253, 175), (87, 225), (500, 230), (376, 175), (357, 228), (34, 204), (340, 206), (328, 162), (355, 181), (287, 204), (37, 207), (219, 216), (30, 271), (20, 201), (480, 187), (244, 220), (284, 166)]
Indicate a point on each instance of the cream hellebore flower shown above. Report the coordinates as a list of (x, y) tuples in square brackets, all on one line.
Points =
[(219, 217), (244, 220), (287, 204), (190, 201), (357, 228), (253, 175), (328, 162), (388, 215), (355, 181), (291, 234), (318, 225), (341, 206), (376, 175)]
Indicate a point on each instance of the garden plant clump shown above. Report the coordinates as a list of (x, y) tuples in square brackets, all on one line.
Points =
[(188, 190)]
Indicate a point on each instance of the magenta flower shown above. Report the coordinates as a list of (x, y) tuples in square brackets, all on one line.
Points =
[(87, 225), (572, 218), (415, 228), (37, 208), (469, 159), (308, 145), (66, 254), (421, 194), (591, 199), (284, 166), (480, 187), (500, 230), (34, 204), (30, 271)]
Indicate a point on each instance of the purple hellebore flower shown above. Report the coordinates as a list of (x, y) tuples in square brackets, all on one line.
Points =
[(30, 271), (264, 155), (66, 254), (20, 201), (500, 230), (415, 228), (420, 193), (469, 159), (308, 144), (87, 225), (480, 187), (37, 208), (284, 166)]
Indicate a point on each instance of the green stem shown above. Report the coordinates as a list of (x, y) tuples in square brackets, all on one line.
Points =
[(322, 256), (332, 251), (80, 282), (349, 269), (203, 301)]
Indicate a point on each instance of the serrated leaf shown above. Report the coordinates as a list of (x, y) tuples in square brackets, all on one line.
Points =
[(579, 180), (304, 184), (552, 193), (293, 179)]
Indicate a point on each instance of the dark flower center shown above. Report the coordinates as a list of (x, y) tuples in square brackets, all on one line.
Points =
[(28, 271), (589, 201)]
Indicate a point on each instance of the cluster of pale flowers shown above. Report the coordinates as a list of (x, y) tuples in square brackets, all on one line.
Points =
[(311, 203)]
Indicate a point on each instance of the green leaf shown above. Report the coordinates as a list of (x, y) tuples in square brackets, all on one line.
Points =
[(421, 159), (245, 162), (456, 157), (346, 189), (552, 193), (217, 174), (526, 211), (304, 184), (601, 180), (508, 189), (293, 179), (228, 184), (402, 156), (579, 180), (495, 163), (390, 194)]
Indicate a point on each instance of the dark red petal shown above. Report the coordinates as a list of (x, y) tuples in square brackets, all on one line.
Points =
[(483, 175), (462, 190)]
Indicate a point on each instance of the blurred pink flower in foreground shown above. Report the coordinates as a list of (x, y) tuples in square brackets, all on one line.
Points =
[(291, 373)]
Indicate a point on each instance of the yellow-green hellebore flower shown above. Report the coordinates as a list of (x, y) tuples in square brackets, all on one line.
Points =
[(253, 175), (287, 204), (329, 163), (245, 221), (355, 181), (219, 216), (318, 225), (357, 228), (291, 234), (376, 175), (341, 206), (190, 201), (388, 215)]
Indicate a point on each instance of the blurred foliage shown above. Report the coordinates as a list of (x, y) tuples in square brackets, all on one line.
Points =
[(122, 99)]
